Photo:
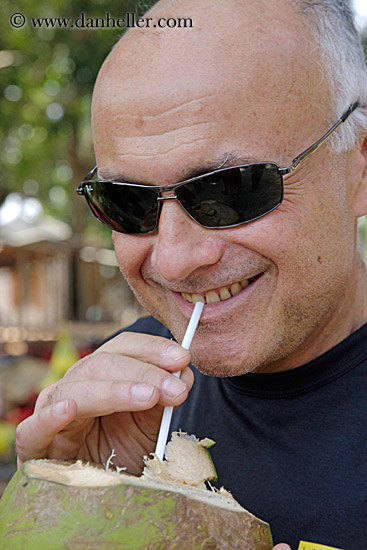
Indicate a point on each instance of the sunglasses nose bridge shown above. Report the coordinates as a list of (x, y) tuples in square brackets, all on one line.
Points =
[(160, 199), (168, 195), (167, 198)]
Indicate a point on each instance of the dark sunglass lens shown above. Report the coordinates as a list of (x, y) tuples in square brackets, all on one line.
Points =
[(233, 196), (123, 208)]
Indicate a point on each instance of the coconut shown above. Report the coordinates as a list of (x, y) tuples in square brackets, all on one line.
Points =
[(55, 505)]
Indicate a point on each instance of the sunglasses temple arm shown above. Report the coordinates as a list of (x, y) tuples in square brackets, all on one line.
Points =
[(297, 160), (90, 174), (88, 177)]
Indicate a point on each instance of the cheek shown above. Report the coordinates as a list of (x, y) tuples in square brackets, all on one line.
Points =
[(131, 252), (308, 238)]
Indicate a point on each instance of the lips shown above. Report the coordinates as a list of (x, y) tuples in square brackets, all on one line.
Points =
[(219, 294)]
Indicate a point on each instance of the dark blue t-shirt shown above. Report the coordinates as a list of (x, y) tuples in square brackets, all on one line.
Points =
[(290, 446)]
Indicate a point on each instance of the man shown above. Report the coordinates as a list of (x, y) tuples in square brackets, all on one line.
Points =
[(280, 336)]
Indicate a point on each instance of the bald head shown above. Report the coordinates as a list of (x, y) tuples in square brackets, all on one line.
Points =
[(247, 59)]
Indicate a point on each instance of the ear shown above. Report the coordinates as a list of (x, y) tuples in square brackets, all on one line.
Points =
[(358, 173)]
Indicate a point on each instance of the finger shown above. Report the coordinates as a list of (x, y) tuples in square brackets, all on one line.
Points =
[(103, 397), (171, 390), (150, 349), (282, 546), (45, 396), (108, 366), (187, 376), (36, 433)]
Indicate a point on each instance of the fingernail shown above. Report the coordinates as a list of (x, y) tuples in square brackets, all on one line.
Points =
[(173, 387), (142, 392), (61, 408), (176, 352)]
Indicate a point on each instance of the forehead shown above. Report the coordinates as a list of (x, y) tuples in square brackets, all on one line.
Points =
[(247, 81)]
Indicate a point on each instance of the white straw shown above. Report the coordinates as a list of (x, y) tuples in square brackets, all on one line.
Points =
[(168, 411)]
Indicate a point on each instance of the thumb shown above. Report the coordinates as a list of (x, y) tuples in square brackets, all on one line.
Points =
[(282, 546)]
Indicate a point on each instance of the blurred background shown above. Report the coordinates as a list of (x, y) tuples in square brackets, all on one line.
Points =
[(61, 292)]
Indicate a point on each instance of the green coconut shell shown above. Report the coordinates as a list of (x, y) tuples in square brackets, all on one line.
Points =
[(121, 512)]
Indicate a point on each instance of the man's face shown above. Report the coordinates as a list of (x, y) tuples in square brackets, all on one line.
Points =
[(174, 102)]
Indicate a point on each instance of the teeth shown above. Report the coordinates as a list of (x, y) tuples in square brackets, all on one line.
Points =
[(225, 294), (198, 298), (235, 288), (212, 297)]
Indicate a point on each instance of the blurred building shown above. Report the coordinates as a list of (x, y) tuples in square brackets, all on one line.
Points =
[(49, 280)]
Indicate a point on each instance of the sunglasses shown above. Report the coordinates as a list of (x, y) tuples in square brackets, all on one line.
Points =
[(223, 198)]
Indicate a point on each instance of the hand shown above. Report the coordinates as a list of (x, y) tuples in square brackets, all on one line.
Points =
[(112, 399)]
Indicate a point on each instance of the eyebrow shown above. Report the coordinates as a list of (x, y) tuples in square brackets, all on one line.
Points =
[(227, 160)]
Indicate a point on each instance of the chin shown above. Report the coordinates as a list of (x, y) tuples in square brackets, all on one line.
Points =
[(213, 364), (225, 354), (231, 355)]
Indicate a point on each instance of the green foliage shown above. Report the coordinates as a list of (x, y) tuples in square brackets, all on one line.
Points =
[(46, 82)]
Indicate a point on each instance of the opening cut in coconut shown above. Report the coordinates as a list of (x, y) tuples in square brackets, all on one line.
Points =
[(187, 461)]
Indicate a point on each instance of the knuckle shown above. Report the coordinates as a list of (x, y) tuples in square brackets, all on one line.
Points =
[(142, 373), (45, 397), (125, 336), (116, 394), (86, 367), (144, 340), (51, 396), (121, 340), (44, 394), (98, 361), (76, 367), (116, 390), (18, 433), (19, 436)]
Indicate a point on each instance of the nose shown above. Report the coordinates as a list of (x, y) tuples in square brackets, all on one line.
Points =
[(183, 246)]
